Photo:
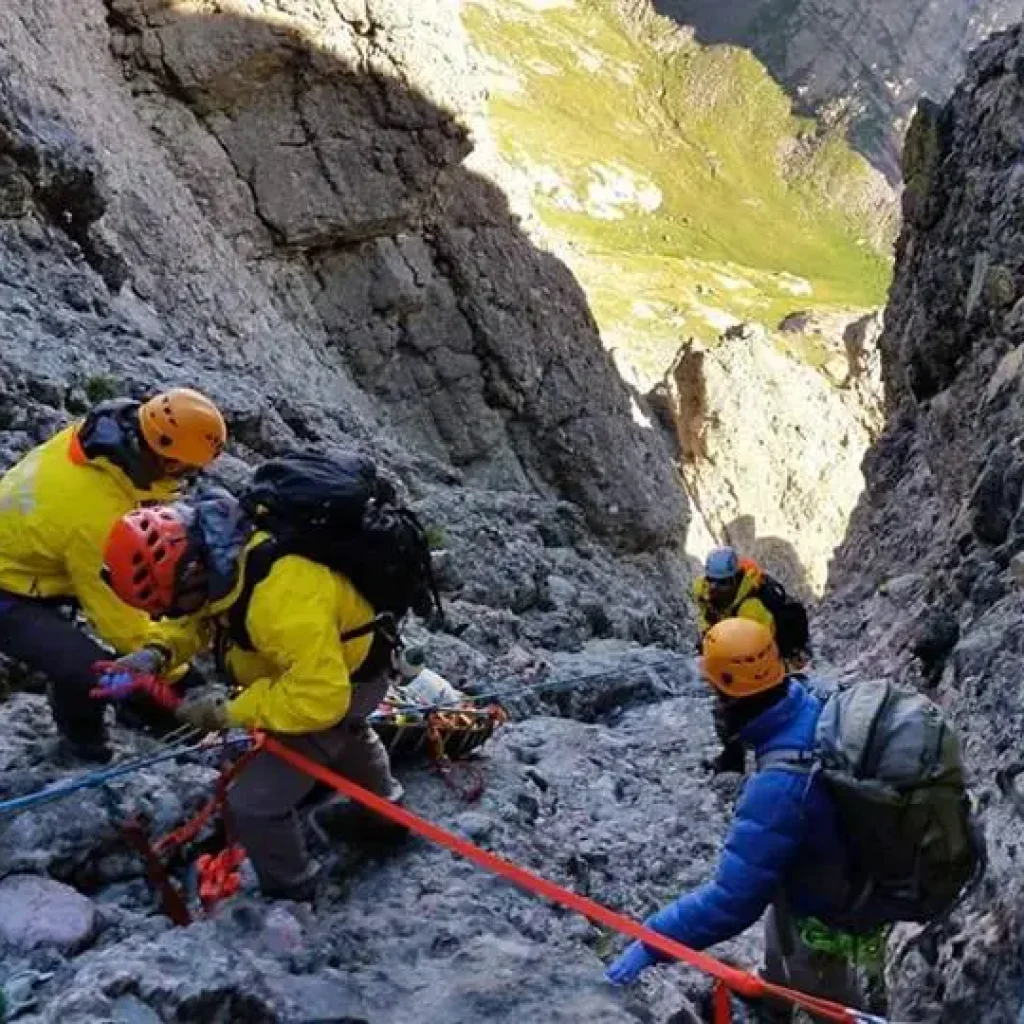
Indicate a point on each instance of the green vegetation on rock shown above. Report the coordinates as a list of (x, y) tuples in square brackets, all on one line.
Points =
[(674, 178)]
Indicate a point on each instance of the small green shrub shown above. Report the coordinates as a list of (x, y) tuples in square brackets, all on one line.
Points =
[(101, 388), (435, 537)]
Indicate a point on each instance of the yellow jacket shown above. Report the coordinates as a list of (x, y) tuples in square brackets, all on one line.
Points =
[(743, 605), (299, 677), (56, 510)]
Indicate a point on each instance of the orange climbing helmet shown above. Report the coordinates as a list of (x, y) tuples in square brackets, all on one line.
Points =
[(184, 426), (149, 561), (740, 658)]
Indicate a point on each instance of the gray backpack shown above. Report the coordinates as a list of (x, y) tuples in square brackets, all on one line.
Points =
[(893, 769)]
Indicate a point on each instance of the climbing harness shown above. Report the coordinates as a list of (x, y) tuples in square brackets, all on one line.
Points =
[(728, 979)]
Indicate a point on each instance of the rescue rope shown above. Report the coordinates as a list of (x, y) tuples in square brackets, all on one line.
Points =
[(219, 873), (439, 725), (550, 685), (728, 979), (92, 780)]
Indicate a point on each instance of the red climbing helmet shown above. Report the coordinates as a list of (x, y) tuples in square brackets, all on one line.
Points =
[(149, 560)]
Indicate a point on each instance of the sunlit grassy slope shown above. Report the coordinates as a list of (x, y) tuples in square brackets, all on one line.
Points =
[(685, 193)]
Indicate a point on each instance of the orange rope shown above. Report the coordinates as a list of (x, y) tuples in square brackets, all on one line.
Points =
[(730, 978), (188, 832), (722, 1004)]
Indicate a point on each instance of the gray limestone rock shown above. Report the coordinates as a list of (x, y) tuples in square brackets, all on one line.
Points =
[(38, 911), (943, 503), (865, 60)]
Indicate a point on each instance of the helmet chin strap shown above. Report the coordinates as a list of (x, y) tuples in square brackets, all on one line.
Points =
[(191, 585), (112, 432)]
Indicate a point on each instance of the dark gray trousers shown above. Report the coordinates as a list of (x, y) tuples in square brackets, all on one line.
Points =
[(263, 802), (789, 962), (37, 634)]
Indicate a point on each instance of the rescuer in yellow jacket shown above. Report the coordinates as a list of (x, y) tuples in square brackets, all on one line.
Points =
[(728, 590), (57, 506), (302, 679)]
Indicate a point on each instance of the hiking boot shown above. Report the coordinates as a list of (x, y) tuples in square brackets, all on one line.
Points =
[(338, 818), (305, 890)]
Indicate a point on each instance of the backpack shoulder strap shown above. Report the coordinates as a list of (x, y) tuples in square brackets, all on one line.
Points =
[(802, 761), (258, 563), (796, 762), (770, 588)]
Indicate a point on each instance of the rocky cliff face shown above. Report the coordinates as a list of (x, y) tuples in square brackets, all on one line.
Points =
[(928, 583), (871, 57), (276, 195), (273, 202), (771, 430)]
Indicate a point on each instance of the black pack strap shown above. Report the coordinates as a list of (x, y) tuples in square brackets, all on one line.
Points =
[(785, 926), (380, 625), (258, 563), (426, 563), (379, 659)]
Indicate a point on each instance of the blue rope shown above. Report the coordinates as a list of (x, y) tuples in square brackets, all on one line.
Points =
[(554, 684), (58, 791), (93, 780)]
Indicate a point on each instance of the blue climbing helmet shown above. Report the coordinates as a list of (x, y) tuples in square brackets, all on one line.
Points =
[(722, 564)]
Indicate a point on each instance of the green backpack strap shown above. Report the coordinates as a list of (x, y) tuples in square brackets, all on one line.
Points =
[(802, 762), (796, 762)]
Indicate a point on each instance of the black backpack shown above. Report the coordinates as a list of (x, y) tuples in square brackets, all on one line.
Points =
[(338, 511), (792, 631)]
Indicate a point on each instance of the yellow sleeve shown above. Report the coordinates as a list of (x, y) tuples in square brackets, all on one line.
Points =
[(182, 638), (754, 608), (293, 623), (702, 618), (123, 627), (700, 600)]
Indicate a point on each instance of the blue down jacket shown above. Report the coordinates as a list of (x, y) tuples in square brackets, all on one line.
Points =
[(784, 838)]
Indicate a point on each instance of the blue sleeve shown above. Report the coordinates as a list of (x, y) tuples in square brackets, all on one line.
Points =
[(766, 832)]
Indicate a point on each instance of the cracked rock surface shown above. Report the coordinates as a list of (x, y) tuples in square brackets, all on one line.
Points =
[(270, 201), (759, 457), (613, 803), (925, 587)]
